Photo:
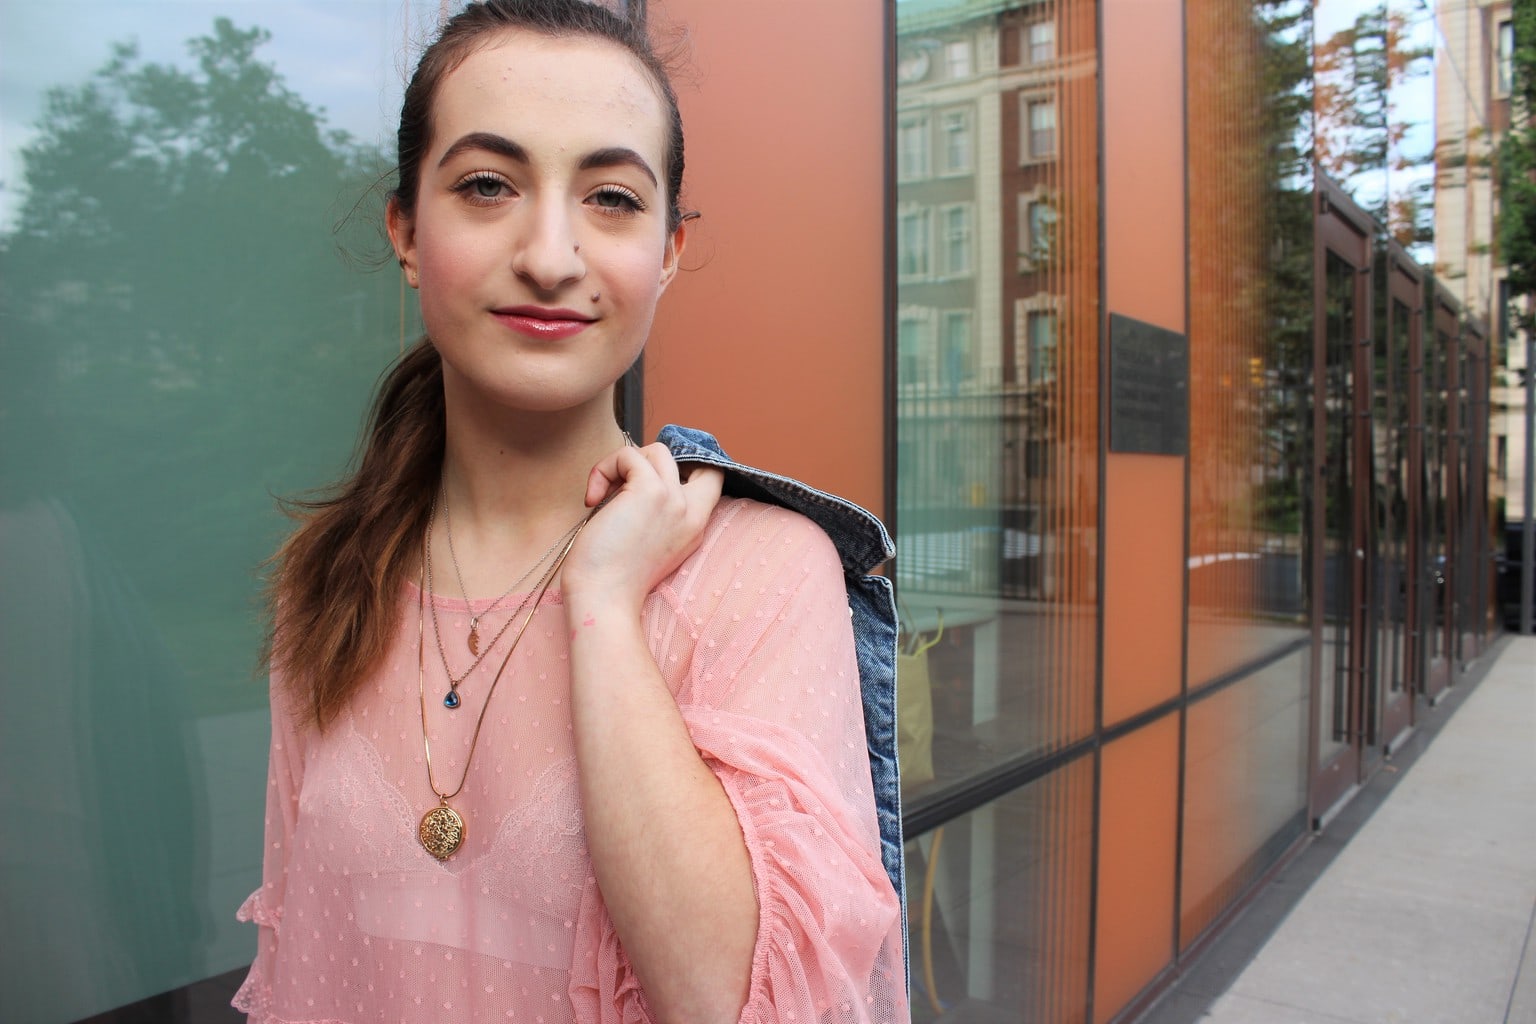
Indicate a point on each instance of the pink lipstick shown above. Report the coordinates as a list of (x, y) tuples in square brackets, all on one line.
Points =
[(543, 321)]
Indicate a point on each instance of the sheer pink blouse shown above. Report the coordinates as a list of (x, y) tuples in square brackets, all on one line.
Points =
[(359, 923)]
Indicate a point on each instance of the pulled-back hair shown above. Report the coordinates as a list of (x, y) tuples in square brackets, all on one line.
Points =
[(334, 594)]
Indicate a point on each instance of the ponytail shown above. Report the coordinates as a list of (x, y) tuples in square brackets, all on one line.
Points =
[(334, 595)]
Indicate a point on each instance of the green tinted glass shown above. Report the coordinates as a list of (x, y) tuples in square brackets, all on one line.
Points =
[(194, 303)]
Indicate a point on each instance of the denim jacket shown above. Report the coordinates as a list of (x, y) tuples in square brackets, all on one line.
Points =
[(862, 544)]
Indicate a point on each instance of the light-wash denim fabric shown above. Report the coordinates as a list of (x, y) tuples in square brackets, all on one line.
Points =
[(862, 543)]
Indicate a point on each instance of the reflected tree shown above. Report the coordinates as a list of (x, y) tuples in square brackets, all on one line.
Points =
[(180, 339), (1286, 358), (1360, 134), (1517, 174), (179, 329)]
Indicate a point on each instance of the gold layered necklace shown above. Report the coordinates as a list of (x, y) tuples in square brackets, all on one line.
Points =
[(442, 830), (451, 698), (474, 619)]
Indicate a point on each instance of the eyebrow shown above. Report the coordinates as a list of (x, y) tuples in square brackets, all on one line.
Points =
[(615, 156), (610, 156), (489, 141)]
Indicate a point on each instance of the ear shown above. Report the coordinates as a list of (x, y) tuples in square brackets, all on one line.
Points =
[(402, 236), (673, 255)]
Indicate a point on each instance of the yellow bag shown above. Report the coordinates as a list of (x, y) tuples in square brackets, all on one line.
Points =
[(914, 708)]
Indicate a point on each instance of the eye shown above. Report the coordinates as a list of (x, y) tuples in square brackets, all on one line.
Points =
[(616, 200), (483, 188)]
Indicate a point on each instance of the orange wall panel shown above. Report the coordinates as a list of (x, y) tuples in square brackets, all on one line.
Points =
[(1142, 69), (1138, 813), (772, 338), (1143, 582)]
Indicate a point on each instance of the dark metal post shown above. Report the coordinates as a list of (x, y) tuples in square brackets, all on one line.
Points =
[(1528, 534)]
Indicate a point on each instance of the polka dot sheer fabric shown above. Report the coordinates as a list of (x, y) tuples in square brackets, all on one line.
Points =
[(359, 923)]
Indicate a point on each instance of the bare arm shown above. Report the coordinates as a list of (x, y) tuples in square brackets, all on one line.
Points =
[(665, 843)]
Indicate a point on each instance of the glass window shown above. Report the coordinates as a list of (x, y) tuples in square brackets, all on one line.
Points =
[(997, 483), (1036, 229), (151, 407), (912, 243), (1040, 42), (957, 241), (956, 141), (957, 364), (912, 363), (912, 149), (1254, 730), (1041, 332), (957, 59), (1504, 59), (1039, 133), (998, 904)]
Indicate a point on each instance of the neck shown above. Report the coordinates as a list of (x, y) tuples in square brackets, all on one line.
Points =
[(516, 480)]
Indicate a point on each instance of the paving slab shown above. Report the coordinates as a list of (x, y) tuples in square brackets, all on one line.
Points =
[(1426, 915), (1236, 1009)]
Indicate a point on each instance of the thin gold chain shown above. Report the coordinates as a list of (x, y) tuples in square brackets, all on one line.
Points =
[(421, 670), (437, 629)]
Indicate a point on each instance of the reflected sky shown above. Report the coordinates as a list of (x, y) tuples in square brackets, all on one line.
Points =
[(334, 53), (1412, 104)]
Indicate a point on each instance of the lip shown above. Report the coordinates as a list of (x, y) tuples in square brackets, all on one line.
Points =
[(543, 321)]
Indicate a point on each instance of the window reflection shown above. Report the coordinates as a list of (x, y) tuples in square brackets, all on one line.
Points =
[(997, 906), (1251, 311), (996, 349), (180, 342)]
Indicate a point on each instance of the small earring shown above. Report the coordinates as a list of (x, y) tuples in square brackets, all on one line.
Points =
[(596, 296)]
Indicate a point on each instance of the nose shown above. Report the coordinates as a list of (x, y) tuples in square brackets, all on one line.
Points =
[(547, 252)]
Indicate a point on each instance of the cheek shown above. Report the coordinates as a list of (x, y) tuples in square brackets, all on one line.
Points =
[(450, 272), (447, 261), (635, 273)]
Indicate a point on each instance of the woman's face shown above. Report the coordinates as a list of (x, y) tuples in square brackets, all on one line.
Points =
[(539, 237)]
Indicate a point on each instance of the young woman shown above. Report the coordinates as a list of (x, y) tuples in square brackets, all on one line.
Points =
[(559, 732)]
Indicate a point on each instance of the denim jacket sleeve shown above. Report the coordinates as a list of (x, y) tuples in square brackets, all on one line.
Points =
[(862, 544)]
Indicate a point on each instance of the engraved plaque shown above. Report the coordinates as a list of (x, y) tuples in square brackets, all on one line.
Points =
[(1148, 388)]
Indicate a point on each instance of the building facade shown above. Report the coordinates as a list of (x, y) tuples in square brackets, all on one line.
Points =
[(1184, 447), (1472, 115)]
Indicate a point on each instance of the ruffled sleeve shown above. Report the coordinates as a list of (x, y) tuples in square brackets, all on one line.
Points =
[(264, 907), (755, 637)]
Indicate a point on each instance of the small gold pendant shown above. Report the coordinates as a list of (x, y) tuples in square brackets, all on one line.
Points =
[(441, 831), (474, 639)]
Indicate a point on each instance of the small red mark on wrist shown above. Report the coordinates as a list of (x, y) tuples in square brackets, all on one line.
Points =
[(589, 621)]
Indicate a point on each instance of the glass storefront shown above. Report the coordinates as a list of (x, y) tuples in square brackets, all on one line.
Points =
[(189, 326), (996, 382), (1098, 761)]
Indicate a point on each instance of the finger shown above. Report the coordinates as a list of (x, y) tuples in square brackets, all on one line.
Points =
[(605, 478), (600, 483), (659, 457), (701, 491), (614, 472)]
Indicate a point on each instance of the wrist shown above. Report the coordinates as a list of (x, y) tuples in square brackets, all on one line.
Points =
[(587, 607)]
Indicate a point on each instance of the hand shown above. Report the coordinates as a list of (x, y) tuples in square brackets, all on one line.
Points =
[(653, 520)]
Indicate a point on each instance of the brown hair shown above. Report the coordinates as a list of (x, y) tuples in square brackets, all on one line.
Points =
[(334, 594)]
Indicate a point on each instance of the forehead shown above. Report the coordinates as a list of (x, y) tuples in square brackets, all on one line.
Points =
[(573, 92)]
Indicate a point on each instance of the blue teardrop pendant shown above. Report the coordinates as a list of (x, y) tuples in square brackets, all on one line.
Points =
[(452, 700)]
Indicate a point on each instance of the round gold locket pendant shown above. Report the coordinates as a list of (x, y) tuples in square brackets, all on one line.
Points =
[(441, 831)]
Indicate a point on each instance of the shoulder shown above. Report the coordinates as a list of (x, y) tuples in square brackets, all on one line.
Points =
[(859, 538), (751, 536)]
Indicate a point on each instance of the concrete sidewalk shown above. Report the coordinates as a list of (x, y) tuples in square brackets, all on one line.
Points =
[(1426, 915)]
